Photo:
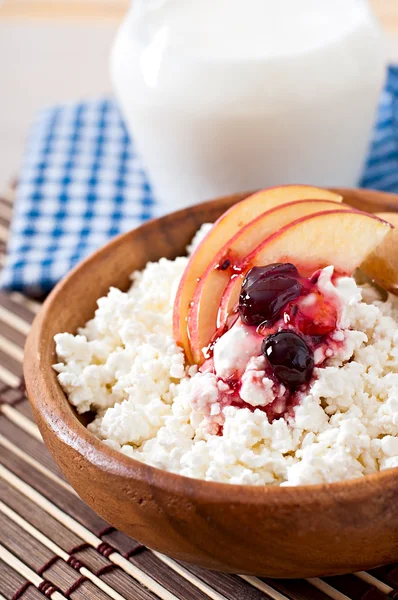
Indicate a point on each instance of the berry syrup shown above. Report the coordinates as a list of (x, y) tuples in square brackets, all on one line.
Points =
[(295, 322)]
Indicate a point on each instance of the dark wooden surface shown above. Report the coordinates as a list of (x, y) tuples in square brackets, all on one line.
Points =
[(49, 537)]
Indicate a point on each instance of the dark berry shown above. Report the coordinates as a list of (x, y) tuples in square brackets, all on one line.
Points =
[(290, 358), (266, 291)]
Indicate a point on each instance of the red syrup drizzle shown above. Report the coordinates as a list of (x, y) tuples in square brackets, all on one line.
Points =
[(224, 265), (314, 322), (229, 263), (274, 410)]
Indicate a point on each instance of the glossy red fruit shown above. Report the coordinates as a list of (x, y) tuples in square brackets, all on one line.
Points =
[(266, 291), (289, 357), (315, 316)]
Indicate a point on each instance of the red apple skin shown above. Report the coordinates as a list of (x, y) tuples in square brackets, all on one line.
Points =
[(229, 300), (226, 227), (338, 237)]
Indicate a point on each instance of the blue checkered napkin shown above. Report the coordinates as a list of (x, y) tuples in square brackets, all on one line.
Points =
[(81, 183), (381, 169)]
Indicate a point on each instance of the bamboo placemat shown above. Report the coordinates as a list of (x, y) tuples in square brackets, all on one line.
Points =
[(53, 546)]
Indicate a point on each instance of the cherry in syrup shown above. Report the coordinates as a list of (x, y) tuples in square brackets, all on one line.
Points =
[(266, 291), (289, 357)]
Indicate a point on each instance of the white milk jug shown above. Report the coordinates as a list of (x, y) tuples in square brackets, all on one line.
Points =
[(223, 96)]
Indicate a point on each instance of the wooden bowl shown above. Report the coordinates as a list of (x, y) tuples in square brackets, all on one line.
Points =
[(272, 531)]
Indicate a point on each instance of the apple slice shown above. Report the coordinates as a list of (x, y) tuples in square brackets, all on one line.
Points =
[(225, 228), (221, 268), (254, 234), (382, 264), (340, 238)]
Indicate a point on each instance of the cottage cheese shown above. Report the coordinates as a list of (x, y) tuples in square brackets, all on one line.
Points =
[(125, 366)]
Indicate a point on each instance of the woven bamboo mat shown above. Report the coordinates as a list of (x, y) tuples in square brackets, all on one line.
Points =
[(53, 546)]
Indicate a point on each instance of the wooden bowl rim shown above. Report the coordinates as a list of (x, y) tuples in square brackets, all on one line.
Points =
[(48, 398)]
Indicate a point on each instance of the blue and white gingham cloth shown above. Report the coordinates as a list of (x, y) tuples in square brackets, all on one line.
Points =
[(381, 169), (81, 183)]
